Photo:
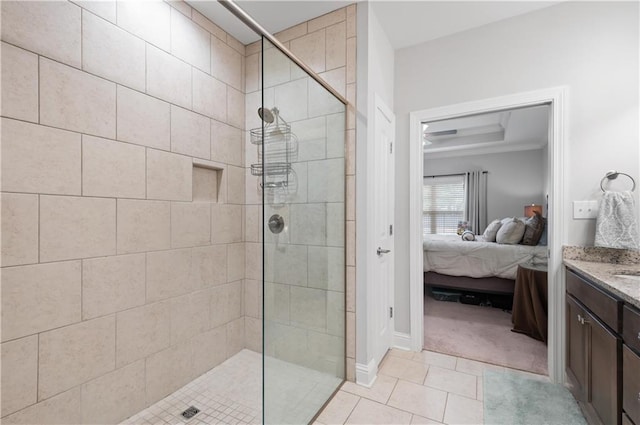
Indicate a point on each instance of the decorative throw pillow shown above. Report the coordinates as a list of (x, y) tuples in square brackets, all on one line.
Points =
[(491, 231), (510, 232), (533, 229), (468, 235)]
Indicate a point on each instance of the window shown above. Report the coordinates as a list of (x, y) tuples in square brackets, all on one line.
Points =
[(443, 199)]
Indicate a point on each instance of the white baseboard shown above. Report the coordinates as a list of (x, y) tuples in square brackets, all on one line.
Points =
[(366, 374), (402, 341)]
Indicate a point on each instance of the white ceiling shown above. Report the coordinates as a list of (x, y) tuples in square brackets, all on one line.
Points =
[(406, 23), (502, 131), (274, 16)]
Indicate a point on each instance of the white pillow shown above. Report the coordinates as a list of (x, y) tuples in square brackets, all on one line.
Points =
[(491, 231), (511, 232)]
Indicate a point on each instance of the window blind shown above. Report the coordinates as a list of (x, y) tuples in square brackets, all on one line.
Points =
[(443, 200)]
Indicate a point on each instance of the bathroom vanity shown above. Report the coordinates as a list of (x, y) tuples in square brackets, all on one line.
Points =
[(603, 339)]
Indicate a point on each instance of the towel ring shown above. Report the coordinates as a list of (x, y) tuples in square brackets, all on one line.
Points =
[(612, 175)]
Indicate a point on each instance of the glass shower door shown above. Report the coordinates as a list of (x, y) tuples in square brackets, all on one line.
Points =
[(301, 176)]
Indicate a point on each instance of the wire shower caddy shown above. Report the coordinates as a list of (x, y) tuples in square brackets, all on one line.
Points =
[(277, 150)]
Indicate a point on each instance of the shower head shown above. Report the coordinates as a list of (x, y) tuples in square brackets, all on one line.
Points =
[(266, 115)]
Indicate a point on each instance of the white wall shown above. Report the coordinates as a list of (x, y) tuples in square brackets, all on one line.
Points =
[(590, 47), (514, 179), (375, 76)]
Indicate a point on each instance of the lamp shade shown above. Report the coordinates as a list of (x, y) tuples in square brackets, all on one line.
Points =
[(530, 210)]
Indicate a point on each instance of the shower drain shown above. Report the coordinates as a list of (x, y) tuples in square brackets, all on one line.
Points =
[(190, 412)]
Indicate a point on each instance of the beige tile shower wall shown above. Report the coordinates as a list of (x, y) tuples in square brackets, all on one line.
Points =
[(299, 304), (123, 266)]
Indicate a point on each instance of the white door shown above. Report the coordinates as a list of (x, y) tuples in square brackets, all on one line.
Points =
[(383, 222)]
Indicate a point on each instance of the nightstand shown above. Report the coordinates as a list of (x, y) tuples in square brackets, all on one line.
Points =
[(530, 300)]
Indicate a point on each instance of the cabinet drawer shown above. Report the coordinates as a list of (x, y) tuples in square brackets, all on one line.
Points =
[(606, 307), (631, 384), (631, 328)]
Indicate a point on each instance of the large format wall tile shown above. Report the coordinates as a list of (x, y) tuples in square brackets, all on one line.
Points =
[(190, 224), (167, 274), (226, 223), (209, 349), (73, 227), (190, 133), (104, 8), (112, 53), (209, 96), (39, 159), (149, 20), (61, 409), (209, 265), (235, 262), (51, 29), (19, 374), (235, 185), (142, 331), (226, 63), (311, 50), (143, 120), (168, 370), (169, 176), (112, 169), (19, 229), (226, 143), (75, 354), (309, 308), (115, 396), (40, 297), (19, 83), (336, 45), (226, 303), (74, 100), (189, 316), (168, 78), (190, 42), (143, 226), (112, 284), (235, 107)]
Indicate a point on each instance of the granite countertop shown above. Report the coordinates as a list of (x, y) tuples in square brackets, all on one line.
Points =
[(601, 266)]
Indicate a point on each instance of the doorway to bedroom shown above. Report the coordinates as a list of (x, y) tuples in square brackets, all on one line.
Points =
[(485, 186)]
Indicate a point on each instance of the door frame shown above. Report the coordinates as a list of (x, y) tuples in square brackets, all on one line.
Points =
[(557, 229)]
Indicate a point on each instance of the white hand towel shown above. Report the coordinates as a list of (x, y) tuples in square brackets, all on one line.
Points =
[(616, 225)]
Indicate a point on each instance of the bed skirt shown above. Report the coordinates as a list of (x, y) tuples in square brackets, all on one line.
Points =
[(495, 285)]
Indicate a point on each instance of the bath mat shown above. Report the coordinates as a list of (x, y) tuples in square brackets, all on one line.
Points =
[(511, 398)]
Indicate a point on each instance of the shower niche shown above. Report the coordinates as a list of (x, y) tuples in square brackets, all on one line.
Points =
[(277, 148)]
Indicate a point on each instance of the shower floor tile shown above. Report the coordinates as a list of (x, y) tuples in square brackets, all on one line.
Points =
[(230, 393)]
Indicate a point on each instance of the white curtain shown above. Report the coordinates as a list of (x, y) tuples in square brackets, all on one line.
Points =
[(476, 202)]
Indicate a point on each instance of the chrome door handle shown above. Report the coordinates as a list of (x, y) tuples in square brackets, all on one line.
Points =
[(381, 251)]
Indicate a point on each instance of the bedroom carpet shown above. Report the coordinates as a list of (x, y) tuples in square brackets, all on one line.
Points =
[(513, 399), (480, 333)]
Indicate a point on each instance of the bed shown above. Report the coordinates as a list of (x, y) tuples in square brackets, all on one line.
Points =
[(451, 262)]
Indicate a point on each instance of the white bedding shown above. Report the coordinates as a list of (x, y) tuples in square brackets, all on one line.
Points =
[(450, 255)]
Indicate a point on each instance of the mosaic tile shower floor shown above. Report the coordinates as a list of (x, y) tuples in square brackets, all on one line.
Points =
[(230, 393)]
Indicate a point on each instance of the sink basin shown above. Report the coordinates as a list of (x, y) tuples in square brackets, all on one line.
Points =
[(633, 276)]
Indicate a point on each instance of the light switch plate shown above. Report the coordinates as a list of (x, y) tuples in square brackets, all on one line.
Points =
[(585, 209)]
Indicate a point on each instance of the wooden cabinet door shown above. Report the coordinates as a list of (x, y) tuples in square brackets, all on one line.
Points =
[(631, 384), (604, 374), (576, 350)]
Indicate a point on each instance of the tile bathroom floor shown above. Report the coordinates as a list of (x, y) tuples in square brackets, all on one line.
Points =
[(411, 388), (230, 393), (414, 388)]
